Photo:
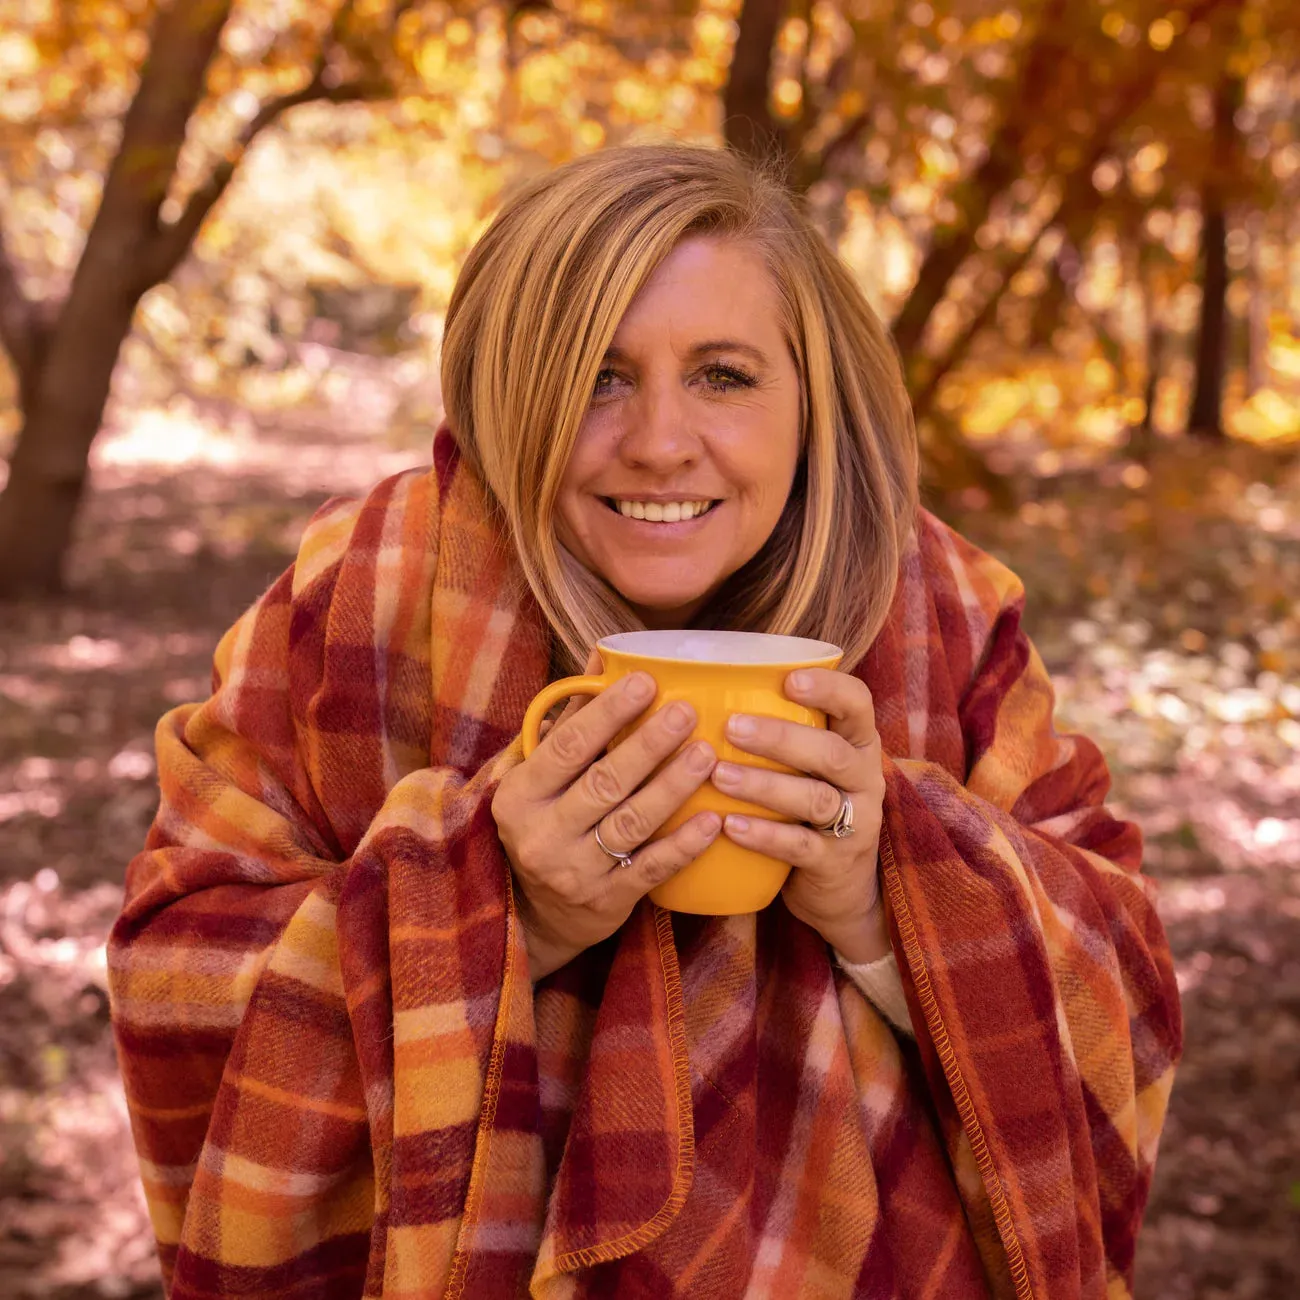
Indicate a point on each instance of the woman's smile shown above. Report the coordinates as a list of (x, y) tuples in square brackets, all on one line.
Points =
[(641, 531)]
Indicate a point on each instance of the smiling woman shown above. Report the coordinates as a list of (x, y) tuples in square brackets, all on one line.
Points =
[(394, 1012)]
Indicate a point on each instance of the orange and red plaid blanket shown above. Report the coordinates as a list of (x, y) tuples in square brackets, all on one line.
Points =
[(342, 1081)]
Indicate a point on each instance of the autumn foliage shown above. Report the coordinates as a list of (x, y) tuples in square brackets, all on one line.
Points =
[(1077, 216)]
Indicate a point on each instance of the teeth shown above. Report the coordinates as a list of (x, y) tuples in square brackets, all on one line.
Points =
[(673, 512)]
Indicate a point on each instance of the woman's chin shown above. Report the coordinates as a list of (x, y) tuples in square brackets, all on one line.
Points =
[(663, 611)]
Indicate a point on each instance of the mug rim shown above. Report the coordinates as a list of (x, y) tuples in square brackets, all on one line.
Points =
[(814, 651)]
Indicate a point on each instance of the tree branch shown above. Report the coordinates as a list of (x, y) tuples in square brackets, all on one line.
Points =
[(1002, 164), (975, 326), (173, 241)]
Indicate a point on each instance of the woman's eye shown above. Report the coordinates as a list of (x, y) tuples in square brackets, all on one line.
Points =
[(724, 378), (603, 381)]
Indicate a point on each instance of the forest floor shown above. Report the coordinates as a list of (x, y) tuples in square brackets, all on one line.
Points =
[(1163, 603)]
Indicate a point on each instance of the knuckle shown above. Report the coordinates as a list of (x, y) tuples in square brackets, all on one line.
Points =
[(568, 884), (657, 867), (808, 843), (567, 745), (525, 859), (630, 824), (843, 757), (602, 783), (826, 803)]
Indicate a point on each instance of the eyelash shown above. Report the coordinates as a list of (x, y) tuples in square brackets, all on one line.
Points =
[(736, 378)]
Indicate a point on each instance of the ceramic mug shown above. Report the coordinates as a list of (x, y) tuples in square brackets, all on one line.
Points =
[(718, 673)]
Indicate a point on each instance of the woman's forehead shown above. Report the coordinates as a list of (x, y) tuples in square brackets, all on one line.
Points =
[(705, 291)]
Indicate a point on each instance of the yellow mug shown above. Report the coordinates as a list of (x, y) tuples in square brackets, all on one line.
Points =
[(718, 673)]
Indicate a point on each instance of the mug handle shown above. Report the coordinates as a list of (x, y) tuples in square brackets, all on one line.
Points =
[(536, 711)]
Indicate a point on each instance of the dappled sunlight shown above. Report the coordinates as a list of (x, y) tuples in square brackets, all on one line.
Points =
[(173, 437)]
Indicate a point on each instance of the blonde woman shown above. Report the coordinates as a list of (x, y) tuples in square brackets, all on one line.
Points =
[(394, 1014)]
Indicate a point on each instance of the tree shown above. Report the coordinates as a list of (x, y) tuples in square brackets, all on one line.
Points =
[(65, 352), (1206, 417)]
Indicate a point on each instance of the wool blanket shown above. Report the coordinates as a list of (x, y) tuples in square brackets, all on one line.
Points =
[(343, 1083)]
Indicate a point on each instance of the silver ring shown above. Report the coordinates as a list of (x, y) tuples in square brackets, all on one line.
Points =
[(623, 859), (841, 825)]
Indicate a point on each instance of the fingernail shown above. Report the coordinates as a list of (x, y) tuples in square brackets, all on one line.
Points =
[(726, 774), (800, 681), (735, 822), (679, 716), (639, 686), (741, 724), (699, 758)]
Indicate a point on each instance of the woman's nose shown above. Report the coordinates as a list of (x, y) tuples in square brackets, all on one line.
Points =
[(659, 430)]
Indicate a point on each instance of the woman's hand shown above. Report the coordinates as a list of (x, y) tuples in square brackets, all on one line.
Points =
[(574, 893), (835, 885)]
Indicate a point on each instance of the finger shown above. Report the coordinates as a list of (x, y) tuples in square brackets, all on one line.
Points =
[(817, 751), (569, 750), (661, 860), (789, 842), (846, 700), (803, 798), (610, 783), (634, 819)]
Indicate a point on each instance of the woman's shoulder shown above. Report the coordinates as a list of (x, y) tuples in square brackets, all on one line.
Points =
[(974, 599), (392, 524), (956, 569)]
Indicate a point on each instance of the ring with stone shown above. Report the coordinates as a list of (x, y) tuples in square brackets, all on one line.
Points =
[(623, 859)]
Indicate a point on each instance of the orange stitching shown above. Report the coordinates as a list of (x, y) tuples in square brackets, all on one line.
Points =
[(684, 1175), (491, 1088), (952, 1071)]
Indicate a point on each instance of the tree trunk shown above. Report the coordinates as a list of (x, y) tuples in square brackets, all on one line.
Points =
[(748, 125), (1206, 416), (47, 474), (125, 255), (1049, 310), (1205, 419), (1257, 333), (1143, 438)]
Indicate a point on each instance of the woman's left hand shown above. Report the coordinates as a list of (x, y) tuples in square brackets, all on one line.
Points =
[(835, 885)]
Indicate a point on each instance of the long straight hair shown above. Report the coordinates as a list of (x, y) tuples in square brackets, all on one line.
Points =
[(536, 306)]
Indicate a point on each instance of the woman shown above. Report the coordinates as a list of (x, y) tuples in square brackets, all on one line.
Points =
[(937, 1066)]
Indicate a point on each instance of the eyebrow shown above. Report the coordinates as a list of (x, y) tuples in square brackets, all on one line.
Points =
[(613, 353)]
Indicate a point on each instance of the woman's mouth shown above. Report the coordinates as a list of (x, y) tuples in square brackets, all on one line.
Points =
[(662, 528)]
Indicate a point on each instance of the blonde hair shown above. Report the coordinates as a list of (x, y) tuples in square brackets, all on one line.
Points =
[(536, 306)]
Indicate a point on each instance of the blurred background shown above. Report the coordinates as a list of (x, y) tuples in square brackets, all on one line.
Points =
[(228, 234)]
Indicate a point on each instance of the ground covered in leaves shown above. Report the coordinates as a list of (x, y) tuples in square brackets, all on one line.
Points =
[(1163, 601)]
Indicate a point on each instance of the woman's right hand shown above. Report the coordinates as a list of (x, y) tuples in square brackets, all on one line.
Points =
[(546, 809)]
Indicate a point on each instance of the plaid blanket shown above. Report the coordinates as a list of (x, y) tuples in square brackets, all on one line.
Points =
[(342, 1082)]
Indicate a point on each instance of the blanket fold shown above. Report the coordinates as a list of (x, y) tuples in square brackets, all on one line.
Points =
[(342, 1082)]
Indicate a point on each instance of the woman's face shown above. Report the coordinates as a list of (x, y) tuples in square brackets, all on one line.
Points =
[(698, 400)]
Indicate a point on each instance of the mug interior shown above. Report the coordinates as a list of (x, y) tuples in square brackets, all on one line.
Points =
[(707, 645)]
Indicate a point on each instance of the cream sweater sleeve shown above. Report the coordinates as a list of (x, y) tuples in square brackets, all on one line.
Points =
[(882, 985)]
